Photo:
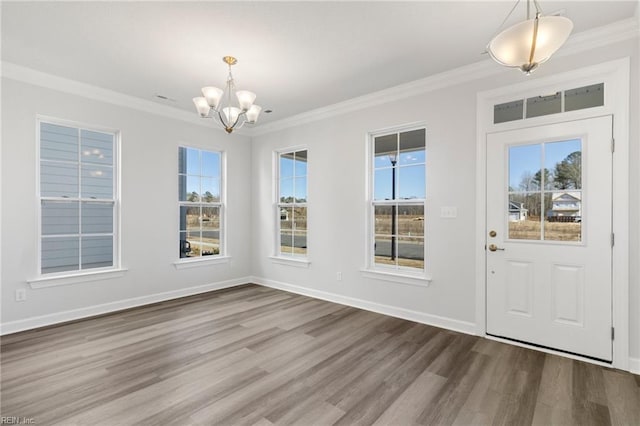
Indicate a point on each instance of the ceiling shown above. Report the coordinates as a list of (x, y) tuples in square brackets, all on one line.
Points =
[(297, 56)]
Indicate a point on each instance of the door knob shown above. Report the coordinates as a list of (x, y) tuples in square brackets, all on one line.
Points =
[(493, 247)]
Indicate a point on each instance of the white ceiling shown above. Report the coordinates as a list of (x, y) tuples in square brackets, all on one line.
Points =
[(297, 56)]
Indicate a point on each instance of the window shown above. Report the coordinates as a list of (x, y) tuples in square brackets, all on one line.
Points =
[(291, 204), (78, 199), (397, 197), (200, 202)]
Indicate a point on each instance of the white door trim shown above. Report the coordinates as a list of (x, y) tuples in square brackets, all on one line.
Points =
[(615, 75)]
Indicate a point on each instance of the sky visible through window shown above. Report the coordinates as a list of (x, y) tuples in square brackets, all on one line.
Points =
[(525, 160), (410, 176)]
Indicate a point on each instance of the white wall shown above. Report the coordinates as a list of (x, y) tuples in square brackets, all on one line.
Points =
[(337, 198), (148, 198)]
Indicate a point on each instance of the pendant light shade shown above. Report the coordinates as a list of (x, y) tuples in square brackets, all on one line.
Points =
[(529, 43)]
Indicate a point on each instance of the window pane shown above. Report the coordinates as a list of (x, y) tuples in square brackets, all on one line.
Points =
[(189, 218), (58, 142), (60, 217), (524, 167), (412, 147), (584, 97), (411, 252), (564, 162), (60, 254), (385, 150), (383, 250), (301, 190), (189, 161), (383, 219), (97, 218), (97, 252), (189, 188), (210, 231), (300, 167), (185, 244), (286, 190), (286, 229), (286, 165), (96, 147), (411, 182), (210, 190), (563, 221), (544, 105), (58, 179), (411, 221), (211, 164), (524, 216), (382, 182), (300, 242), (97, 181), (509, 111), (300, 218)]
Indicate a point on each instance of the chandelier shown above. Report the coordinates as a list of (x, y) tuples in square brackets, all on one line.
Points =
[(217, 103), (531, 42)]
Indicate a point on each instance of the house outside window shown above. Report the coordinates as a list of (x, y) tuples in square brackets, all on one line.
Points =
[(78, 194), (291, 203), (201, 209), (397, 201)]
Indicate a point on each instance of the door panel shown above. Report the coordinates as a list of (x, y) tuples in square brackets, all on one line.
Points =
[(549, 265)]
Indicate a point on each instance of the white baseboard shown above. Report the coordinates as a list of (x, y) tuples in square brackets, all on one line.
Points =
[(90, 311), (434, 320), (634, 365)]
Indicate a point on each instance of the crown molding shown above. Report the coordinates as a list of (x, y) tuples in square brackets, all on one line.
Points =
[(601, 36), (38, 78), (613, 33)]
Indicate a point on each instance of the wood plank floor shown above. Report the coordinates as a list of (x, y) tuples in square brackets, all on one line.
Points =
[(257, 356)]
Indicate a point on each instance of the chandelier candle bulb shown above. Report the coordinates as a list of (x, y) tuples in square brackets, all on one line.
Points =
[(245, 99), (212, 95), (253, 113), (219, 100), (202, 106)]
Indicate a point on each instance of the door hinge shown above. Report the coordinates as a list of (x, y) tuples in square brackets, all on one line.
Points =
[(613, 333), (613, 144), (613, 239)]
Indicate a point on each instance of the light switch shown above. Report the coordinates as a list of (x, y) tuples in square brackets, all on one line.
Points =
[(448, 212)]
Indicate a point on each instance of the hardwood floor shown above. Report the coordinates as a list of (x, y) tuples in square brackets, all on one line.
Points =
[(254, 355)]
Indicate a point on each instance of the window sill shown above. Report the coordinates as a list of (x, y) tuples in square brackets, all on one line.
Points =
[(395, 277), (53, 281), (290, 261), (201, 261)]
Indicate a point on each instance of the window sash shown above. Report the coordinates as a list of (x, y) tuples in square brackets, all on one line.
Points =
[(84, 240), (294, 178)]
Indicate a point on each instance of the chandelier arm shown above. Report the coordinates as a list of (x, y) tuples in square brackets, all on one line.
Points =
[(221, 120)]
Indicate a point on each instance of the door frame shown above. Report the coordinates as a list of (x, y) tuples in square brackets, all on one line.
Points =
[(615, 75)]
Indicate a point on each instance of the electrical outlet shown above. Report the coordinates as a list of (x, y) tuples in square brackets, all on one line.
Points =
[(339, 276), (21, 295)]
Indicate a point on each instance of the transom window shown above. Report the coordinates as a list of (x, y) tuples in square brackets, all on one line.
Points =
[(398, 194), (200, 202), (78, 198), (291, 205)]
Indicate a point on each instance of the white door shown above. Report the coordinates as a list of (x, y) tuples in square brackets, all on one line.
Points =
[(549, 236)]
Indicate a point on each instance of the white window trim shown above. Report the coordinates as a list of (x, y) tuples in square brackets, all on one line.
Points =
[(410, 276), (299, 260), (66, 279), (223, 256), (202, 261), (69, 277)]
